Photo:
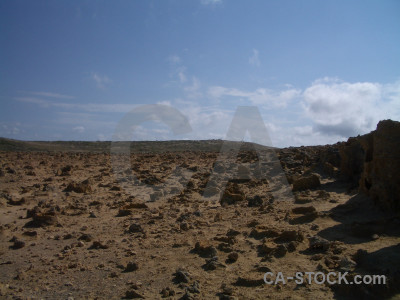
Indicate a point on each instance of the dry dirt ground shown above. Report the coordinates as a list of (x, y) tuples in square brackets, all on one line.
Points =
[(70, 230)]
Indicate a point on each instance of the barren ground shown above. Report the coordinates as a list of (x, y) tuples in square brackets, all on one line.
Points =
[(97, 240)]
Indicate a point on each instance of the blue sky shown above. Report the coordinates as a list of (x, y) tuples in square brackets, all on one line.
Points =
[(318, 71)]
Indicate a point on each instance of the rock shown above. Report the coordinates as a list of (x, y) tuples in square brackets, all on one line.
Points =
[(232, 232), (194, 288), (167, 292), (135, 228), (249, 282), (124, 212), (280, 250), (40, 219), (203, 248), (181, 276), (317, 242), (131, 266), (307, 218), (375, 237), (213, 264), (259, 233), (115, 188), (231, 198), (31, 233), (86, 237), (289, 236), (303, 210), (304, 183), (98, 245), (347, 264), (82, 187), (156, 195), (18, 244), (132, 294), (233, 257), (255, 201), (372, 161), (65, 171)]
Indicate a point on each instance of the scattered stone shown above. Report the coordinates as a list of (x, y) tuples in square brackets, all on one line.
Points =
[(82, 187), (17, 202), (40, 219), (305, 183), (65, 171), (217, 217), (212, 264), (31, 233), (203, 248), (98, 245), (255, 201), (132, 294), (307, 218), (260, 233), (131, 266), (319, 243), (375, 237), (86, 237), (136, 228), (303, 210), (249, 282), (167, 292), (347, 264), (289, 236), (124, 212), (232, 232), (115, 188), (232, 257), (194, 288), (230, 198), (181, 276), (18, 244)]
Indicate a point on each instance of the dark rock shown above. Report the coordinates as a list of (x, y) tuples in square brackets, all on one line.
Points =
[(233, 257), (131, 266), (132, 294), (135, 228), (304, 183), (181, 276)]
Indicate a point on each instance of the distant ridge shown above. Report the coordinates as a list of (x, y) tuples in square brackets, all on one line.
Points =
[(136, 146)]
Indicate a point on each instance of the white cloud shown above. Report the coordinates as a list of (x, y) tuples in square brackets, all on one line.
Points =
[(178, 69), (347, 109), (51, 95), (79, 129), (193, 90), (254, 59), (88, 107), (101, 80), (210, 2), (261, 96), (174, 59)]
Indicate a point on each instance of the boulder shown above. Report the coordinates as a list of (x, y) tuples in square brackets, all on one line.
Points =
[(372, 162), (305, 183)]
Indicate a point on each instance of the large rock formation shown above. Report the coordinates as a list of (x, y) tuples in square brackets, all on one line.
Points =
[(373, 161)]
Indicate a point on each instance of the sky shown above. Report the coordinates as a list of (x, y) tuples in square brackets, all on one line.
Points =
[(318, 72)]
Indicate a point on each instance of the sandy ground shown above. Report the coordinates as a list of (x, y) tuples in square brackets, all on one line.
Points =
[(69, 229)]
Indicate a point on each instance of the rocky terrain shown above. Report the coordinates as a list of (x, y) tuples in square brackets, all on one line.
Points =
[(72, 226)]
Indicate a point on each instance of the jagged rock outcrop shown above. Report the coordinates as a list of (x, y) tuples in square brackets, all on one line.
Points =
[(373, 161)]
